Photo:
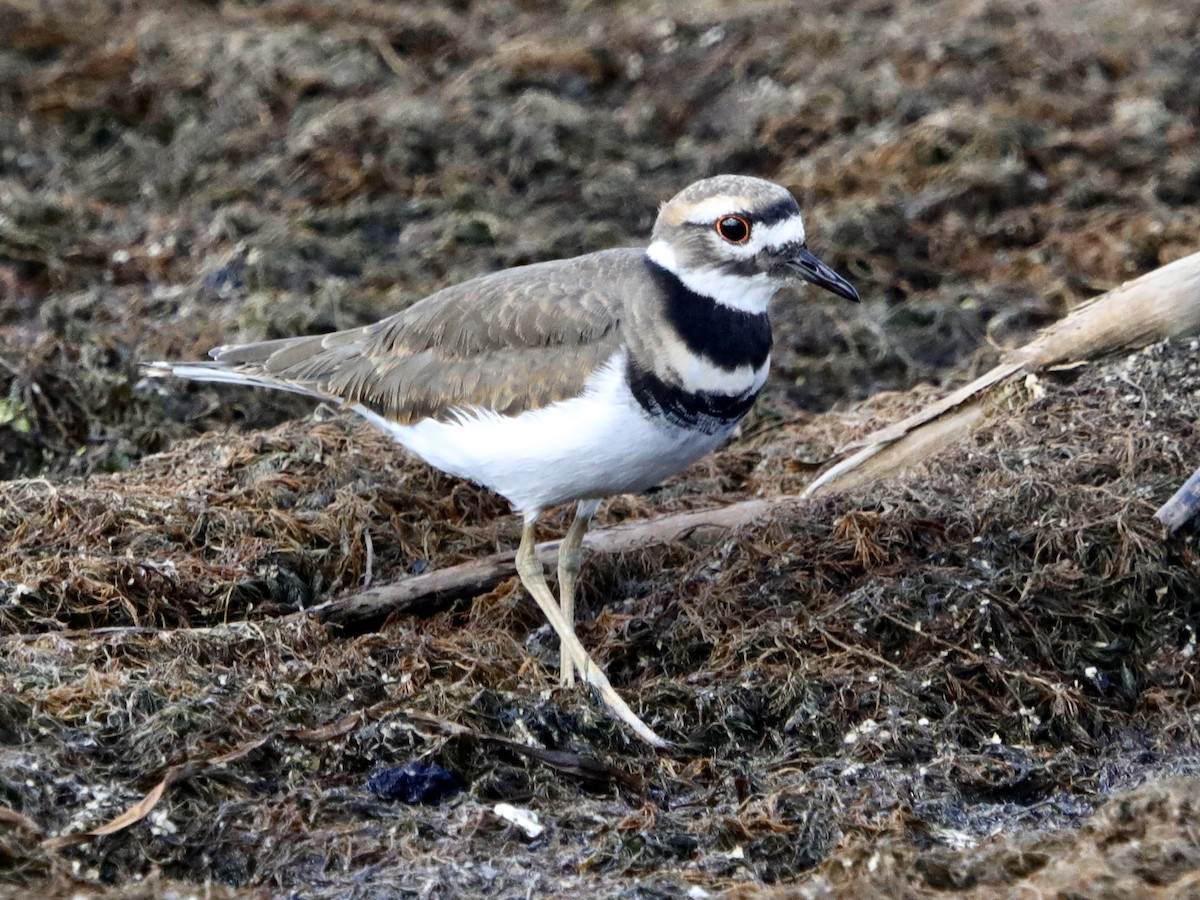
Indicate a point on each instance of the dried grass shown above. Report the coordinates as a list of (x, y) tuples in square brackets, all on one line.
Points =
[(864, 688)]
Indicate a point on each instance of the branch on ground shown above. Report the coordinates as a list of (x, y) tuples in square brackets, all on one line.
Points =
[(1162, 304)]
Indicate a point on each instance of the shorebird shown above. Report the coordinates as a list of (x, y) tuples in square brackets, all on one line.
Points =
[(570, 380)]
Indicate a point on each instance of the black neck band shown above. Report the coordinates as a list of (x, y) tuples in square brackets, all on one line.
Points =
[(696, 410), (726, 337)]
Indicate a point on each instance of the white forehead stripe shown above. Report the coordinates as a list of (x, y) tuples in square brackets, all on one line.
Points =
[(779, 234), (706, 212)]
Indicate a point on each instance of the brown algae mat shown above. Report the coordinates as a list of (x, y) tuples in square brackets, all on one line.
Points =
[(987, 647), (977, 678)]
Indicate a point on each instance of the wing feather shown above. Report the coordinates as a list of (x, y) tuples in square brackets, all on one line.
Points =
[(511, 341)]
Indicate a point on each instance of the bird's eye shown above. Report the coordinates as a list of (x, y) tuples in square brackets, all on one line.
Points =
[(734, 229)]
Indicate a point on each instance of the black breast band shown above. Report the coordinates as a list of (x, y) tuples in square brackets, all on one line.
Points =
[(726, 337), (697, 410)]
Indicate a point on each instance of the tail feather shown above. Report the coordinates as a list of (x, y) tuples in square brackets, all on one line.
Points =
[(274, 355), (222, 373)]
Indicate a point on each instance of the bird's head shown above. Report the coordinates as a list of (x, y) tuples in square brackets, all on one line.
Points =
[(738, 240)]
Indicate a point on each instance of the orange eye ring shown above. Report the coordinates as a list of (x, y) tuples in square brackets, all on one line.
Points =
[(735, 229)]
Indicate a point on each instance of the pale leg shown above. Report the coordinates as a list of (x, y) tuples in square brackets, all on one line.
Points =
[(570, 558), (529, 568)]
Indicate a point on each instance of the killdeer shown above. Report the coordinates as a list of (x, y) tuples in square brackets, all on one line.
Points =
[(571, 380)]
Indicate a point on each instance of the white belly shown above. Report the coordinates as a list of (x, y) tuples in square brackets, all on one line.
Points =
[(596, 445)]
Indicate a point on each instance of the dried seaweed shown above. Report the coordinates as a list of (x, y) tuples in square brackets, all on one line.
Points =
[(924, 687)]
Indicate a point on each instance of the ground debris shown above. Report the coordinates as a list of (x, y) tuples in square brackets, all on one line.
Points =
[(954, 681), (1141, 843), (993, 642)]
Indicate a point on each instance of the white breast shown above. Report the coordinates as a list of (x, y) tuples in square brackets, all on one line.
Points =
[(593, 446)]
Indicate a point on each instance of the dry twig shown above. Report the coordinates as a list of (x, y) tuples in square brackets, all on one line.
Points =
[(1161, 304), (422, 592)]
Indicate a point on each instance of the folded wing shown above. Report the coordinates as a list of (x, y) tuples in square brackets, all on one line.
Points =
[(514, 340)]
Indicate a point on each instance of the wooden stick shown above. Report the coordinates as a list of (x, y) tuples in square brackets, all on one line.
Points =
[(1175, 513), (435, 589), (1161, 304)]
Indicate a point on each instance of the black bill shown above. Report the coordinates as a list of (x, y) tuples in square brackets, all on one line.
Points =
[(811, 269)]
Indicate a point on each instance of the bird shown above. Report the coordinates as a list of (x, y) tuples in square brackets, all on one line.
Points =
[(569, 380)]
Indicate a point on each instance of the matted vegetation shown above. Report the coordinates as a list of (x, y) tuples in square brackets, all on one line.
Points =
[(927, 686)]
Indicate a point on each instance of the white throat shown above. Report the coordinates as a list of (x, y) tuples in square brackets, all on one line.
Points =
[(747, 293)]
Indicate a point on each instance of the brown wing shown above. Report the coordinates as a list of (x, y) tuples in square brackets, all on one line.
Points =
[(514, 340)]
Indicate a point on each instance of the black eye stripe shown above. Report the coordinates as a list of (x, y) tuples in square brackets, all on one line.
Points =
[(777, 212), (771, 215)]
